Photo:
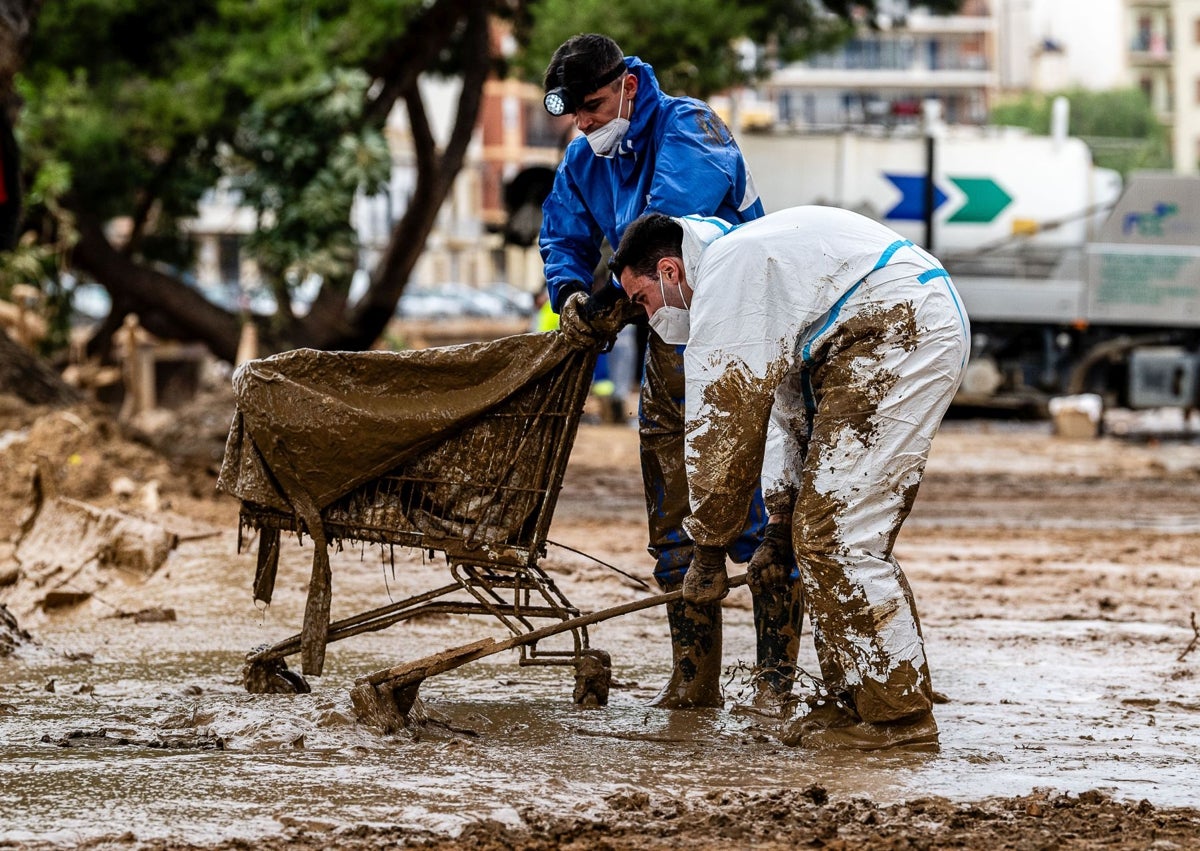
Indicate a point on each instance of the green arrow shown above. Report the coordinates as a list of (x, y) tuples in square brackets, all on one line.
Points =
[(985, 200)]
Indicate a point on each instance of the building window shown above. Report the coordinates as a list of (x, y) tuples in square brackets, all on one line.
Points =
[(1196, 24), (1141, 39)]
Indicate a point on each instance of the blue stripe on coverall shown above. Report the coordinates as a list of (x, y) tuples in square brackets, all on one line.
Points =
[(936, 273), (925, 277)]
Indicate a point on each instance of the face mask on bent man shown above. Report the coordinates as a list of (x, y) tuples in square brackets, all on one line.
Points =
[(671, 324), (606, 139)]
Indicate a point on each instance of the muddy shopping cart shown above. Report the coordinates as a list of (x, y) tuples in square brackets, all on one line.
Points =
[(478, 485)]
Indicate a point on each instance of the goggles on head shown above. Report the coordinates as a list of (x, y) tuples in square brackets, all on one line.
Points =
[(562, 99)]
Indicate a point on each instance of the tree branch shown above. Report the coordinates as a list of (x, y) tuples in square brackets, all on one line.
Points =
[(167, 307), (435, 178), (414, 52), (1192, 644)]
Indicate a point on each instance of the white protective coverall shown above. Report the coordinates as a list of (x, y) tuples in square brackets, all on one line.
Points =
[(824, 350)]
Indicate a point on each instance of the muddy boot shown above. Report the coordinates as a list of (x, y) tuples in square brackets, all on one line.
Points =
[(917, 732), (778, 614), (820, 711), (696, 656)]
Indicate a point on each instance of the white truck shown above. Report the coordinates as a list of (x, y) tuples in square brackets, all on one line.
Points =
[(1073, 282)]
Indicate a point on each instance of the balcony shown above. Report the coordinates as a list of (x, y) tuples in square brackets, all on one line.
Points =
[(907, 79), (923, 23), (1149, 50)]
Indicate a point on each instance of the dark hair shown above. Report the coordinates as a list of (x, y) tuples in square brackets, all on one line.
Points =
[(646, 241), (581, 61)]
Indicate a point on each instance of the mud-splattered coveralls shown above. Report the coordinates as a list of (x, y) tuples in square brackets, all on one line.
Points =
[(824, 351), (677, 158)]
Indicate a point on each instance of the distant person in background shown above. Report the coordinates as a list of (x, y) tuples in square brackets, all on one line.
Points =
[(643, 151), (823, 350)]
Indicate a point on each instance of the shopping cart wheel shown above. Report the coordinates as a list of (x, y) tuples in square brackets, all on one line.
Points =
[(593, 677), (271, 676)]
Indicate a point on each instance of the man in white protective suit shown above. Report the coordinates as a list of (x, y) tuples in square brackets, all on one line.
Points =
[(823, 350)]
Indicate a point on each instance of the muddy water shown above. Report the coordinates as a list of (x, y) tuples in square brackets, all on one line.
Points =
[(1056, 647), (508, 737)]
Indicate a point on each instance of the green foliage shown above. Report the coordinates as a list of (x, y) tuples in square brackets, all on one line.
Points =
[(136, 108), (687, 41), (1119, 126), (39, 265), (298, 158)]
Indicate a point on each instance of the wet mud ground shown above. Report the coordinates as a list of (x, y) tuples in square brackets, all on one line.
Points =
[(1056, 581)]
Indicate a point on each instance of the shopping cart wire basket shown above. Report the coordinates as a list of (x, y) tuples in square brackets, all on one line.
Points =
[(460, 450)]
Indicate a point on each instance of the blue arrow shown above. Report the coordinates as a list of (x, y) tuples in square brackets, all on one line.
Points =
[(912, 197)]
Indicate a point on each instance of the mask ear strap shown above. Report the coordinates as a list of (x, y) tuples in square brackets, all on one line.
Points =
[(678, 286)]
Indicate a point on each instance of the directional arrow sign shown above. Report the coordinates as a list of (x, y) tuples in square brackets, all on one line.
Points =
[(985, 200), (912, 200)]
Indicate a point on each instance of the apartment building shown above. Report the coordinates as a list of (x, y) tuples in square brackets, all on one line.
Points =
[(1162, 42), (883, 74), (1052, 45), (1182, 30)]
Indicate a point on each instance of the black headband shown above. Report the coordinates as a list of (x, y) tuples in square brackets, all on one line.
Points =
[(562, 99)]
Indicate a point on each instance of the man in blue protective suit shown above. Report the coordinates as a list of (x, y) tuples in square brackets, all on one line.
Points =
[(642, 151)]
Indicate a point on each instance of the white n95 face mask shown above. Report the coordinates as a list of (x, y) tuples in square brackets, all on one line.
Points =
[(606, 139), (672, 324)]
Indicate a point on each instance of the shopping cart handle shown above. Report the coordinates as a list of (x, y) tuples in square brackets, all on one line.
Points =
[(385, 697), (440, 662)]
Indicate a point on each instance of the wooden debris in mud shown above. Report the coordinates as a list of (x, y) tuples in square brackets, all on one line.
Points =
[(385, 698), (68, 550), (1192, 644), (11, 634), (154, 614)]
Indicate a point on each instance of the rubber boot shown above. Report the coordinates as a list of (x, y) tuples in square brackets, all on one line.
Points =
[(696, 657), (778, 617), (918, 732)]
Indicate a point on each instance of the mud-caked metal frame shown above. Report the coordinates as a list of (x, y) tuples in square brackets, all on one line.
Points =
[(483, 496)]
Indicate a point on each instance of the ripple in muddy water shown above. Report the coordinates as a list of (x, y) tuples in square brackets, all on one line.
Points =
[(504, 738)]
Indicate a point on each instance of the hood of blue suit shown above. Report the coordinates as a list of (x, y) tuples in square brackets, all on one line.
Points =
[(645, 106)]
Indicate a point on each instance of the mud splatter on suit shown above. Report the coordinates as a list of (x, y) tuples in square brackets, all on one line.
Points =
[(823, 354)]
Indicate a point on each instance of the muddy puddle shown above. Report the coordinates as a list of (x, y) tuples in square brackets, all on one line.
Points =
[(1055, 636)]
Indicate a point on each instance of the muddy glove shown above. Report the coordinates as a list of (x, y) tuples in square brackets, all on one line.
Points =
[(771, 565), (611, 318), (706, 580), (575, 321)]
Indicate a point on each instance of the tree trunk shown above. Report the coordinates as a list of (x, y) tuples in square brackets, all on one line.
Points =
[(166, 307), (16, 23), (435, 178), (24, 375)]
